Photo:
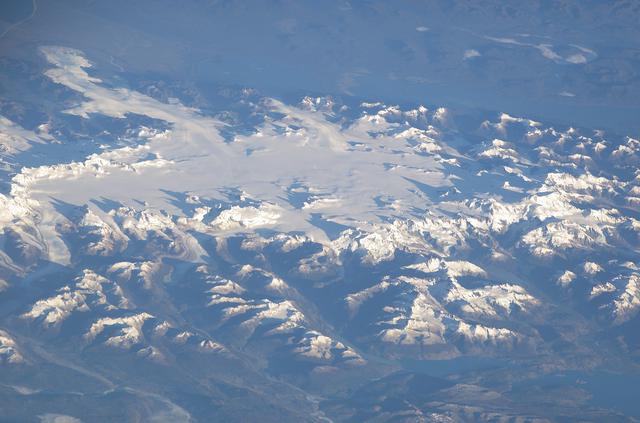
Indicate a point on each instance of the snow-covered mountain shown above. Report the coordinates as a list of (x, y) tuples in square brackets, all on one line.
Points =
[(278, 256), (169, 254)]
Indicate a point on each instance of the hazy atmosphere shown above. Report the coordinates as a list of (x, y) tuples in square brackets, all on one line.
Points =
[(336, 211)]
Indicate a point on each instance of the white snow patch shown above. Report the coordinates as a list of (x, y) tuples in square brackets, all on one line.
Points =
[(470, 54)]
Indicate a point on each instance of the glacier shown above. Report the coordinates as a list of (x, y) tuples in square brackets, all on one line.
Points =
[(320, 259)]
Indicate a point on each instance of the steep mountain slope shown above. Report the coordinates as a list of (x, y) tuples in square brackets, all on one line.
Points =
[(270, 260)]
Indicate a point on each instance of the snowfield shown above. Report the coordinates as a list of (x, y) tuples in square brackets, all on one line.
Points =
[(319, 240)]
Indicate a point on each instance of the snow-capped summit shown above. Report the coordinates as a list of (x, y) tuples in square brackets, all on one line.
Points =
[(166, 250)]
